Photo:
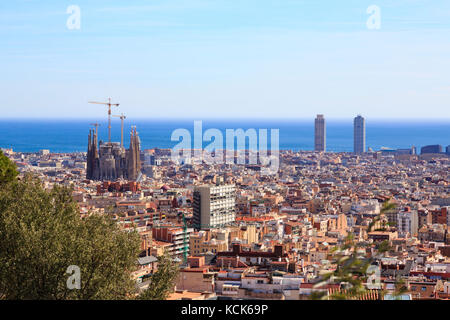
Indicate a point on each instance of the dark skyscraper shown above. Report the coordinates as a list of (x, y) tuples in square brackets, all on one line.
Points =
[(359, 135), (320, 133), (436, 148)]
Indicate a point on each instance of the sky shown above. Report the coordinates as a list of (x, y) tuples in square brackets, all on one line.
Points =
[(226, 59)]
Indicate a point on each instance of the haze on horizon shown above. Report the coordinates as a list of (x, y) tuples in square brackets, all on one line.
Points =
[(203, 59)]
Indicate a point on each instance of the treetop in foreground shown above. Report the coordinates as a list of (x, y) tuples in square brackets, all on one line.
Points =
[(42, 235)]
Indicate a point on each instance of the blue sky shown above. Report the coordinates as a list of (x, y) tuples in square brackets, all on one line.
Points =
[(226, 58)]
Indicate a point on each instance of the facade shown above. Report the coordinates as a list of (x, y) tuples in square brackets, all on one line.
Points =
[(448, 216), (197, 277), (147, 266), (408, 223), (176, 236), (213, 206), (411, 151), (110, 161), (201, 242), (447, 150), (436, 148), (251, 258), (320, 133), (359, 135)]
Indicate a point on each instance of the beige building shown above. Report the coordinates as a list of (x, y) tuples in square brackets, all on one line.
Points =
[(201, 242), (196, 277)]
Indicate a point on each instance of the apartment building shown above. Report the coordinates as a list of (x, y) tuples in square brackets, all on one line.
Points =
[(213, 206), (177, 236), (202, 242)]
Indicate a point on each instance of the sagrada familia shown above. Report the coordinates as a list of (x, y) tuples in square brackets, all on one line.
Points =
[(111, 161)]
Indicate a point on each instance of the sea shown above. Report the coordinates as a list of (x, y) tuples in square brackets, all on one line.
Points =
[(71, 135)]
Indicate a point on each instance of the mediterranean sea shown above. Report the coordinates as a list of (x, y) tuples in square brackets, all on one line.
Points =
[(66, 135)]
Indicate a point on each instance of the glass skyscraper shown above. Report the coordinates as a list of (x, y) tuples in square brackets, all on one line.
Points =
[(359, 135), (320, 133)]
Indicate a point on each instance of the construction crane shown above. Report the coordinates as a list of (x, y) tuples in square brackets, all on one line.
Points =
[(96, 125), (109, 104), (122, 117)]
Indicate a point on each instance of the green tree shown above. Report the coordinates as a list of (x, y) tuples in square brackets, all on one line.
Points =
[(42, 234), (162, 281), (8, 170)]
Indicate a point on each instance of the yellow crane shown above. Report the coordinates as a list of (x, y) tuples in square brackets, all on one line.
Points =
[(122, 117), (109, 104)]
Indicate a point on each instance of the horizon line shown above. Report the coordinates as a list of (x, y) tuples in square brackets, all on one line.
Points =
[(222, 119)]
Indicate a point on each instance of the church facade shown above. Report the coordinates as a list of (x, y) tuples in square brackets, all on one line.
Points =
[(110, 161)]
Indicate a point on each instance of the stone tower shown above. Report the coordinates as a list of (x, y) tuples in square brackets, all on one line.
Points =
[(110, 161), (134, 155)]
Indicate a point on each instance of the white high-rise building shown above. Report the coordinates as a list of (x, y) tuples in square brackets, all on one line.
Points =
[(408, 223), (320, 133), (214, 206)]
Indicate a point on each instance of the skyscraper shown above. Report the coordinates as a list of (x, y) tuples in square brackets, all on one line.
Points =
[(359, 135), (214, 206), (435, 148), (320, 133)]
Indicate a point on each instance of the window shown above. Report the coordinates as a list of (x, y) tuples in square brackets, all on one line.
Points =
[(424, 288)]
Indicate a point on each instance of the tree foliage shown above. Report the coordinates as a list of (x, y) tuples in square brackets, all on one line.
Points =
[(8, 170), (42, 234), (163, 280)]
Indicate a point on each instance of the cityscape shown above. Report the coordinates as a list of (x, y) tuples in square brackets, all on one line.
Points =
[(224, 159), (238, 234)]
